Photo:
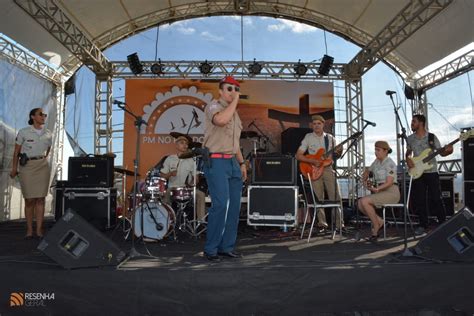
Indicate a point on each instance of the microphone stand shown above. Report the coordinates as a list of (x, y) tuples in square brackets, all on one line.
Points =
[(403, 136), (267, 139), (138, 123), (354, 143)]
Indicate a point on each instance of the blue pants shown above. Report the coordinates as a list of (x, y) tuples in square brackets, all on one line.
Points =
[(224, 180)]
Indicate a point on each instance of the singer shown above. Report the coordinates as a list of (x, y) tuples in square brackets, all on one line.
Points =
[(226, 171)]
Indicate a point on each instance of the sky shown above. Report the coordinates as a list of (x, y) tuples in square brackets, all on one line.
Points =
[(269, 39)]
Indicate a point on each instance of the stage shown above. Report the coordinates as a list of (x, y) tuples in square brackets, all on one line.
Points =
[(278, 275)]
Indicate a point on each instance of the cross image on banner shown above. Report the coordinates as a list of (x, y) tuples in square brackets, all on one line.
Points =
[(266, 109)]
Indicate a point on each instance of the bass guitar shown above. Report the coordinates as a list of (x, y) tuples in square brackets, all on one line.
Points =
[(324, 159), (422, 161)]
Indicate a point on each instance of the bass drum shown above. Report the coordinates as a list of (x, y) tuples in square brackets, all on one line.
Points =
[(158, 220)]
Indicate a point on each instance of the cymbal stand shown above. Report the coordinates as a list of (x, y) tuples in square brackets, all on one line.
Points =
[(133, 253)]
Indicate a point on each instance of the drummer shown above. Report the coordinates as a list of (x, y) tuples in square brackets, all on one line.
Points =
[(179, 173)]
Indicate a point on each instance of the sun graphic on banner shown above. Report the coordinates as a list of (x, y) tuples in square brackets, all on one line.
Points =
[(178, 110)]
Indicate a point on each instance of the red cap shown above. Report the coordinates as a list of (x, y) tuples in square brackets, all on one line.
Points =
[(230, 80)]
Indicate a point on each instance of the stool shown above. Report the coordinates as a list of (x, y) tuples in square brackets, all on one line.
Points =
[(392, 206)]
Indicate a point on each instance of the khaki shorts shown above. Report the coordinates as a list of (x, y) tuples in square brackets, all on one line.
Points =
[(387, 196)]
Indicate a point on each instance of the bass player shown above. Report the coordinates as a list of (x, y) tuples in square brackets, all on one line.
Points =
[(428, 183), (312, 143)]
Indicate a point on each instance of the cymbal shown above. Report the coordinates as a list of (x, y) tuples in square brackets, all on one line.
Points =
[(195, 145), (248, 134), (188, 154), (124, 171)]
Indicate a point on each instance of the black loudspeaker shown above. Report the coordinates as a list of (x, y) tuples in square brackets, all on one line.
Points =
[(468, 158), (95, 205), (291, 139), (451, 241), (446, 182), (468, 194), (274, 170), (91, 171), (74, 243)]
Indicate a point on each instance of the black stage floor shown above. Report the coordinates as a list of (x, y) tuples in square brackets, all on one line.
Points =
[(278, 275)]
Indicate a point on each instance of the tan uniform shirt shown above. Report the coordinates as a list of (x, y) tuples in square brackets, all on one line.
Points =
[(184, 170), (32, 144), (223, 139)]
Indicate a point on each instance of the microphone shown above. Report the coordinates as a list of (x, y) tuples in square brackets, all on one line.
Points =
[(390, 92), (159, 227), (251, 123), (119, 102), (370, 123)]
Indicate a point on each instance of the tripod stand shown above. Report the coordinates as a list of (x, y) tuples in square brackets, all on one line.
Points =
[(138, 123)]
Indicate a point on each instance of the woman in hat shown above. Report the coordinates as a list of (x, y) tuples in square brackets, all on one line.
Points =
[(384, 186), (34, 142)]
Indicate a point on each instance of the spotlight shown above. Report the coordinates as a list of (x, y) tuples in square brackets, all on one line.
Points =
[(255, 68), (157, 68), (205, 68), (300, 69), (325, 65), (134, 62)]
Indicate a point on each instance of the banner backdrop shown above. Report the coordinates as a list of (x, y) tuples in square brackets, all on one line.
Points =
[(266, 108)]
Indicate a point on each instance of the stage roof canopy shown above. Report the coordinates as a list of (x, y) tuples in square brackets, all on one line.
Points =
[(105, 22)]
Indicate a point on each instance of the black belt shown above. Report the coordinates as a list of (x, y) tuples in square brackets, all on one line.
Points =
[(36, 158)]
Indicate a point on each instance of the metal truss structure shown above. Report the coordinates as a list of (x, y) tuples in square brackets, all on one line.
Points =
[(448, 71), (190, 70), (413, 16), (17, 55), (61, 27), (451, 166), (103, 115)]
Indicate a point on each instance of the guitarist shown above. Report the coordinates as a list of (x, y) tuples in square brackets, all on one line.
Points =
[(428, 183), (312, 142)]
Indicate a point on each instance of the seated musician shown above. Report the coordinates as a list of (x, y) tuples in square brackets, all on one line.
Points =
[(326, 181), (383, 186), (179, 173)]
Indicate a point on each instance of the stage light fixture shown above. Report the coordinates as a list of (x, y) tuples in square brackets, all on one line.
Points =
[(325, 66), (134, 63), (157, 68), (300, 69), (255, 68), (205, 68)]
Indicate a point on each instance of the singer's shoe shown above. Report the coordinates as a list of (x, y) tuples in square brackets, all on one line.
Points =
[(212, 258), (230, 254)]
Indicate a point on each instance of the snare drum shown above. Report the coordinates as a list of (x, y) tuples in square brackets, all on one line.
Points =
[(159, 225), (156, 186), (181, 193)]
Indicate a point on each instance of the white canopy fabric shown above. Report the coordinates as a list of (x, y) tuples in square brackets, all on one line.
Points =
[(106, 22)]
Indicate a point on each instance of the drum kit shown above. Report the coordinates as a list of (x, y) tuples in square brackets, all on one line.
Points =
[(155, 219)]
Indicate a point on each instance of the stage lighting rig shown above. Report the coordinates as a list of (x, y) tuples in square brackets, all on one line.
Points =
[(157, 68), (300, 68), (255, 68), (205, 68)]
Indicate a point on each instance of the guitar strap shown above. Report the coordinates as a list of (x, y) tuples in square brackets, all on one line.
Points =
[(431, 141), (326, 142)]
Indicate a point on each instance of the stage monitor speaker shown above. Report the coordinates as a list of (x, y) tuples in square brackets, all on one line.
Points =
[(91, 171), (274, 170), (291, 139), (468, 158), (74, 243), (451, 241), (468, 194)]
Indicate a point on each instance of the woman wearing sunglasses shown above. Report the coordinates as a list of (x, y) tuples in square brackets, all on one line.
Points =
[(32, 145)]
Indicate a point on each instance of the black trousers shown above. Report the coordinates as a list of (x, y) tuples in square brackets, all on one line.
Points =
[(426, 195)]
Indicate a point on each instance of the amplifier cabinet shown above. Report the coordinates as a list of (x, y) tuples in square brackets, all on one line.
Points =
[(95, 205), (272, 206), (274, 170), (91, 171), (468, 194)]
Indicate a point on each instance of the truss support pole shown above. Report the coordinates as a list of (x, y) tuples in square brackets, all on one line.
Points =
[(103, 115)]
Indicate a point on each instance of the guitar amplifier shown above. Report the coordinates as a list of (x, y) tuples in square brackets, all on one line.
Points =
[(91, 171), (274, 170)]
